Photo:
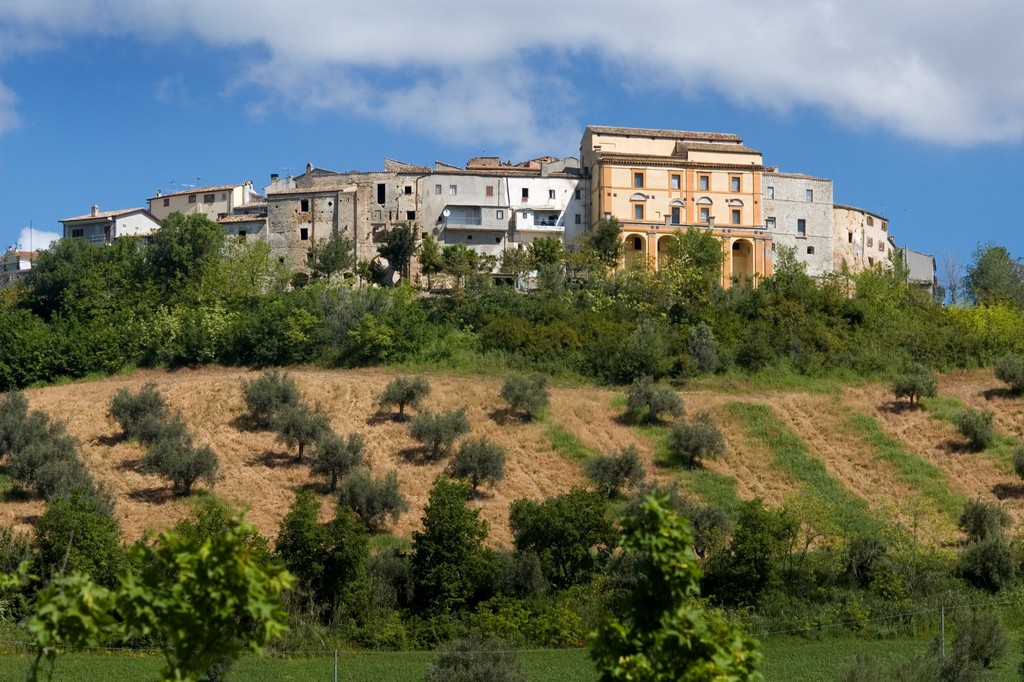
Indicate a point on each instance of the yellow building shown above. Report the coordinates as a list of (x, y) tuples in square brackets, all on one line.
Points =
[(658, 181)]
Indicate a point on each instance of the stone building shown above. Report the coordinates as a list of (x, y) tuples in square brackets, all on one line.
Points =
[(798, 214), (861, 240), (212, 202)]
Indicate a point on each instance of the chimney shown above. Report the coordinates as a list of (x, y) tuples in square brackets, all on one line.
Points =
[(95, 210), (273, 178), (158, 192), (711, 221), (309, 168)]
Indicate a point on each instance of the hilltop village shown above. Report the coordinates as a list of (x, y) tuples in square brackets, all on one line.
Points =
[(653, 182)]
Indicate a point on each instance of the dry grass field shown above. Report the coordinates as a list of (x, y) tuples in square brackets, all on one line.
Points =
[(259, 474)]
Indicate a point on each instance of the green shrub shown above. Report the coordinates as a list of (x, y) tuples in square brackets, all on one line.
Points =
[(526, 394), (612, 473), (335, 456), (475, 659), (402, 392), (1018, 461), (690, 443), (988, 564), (298, 426), (267, 395), (916, 382), (983, 520), (374, 500), (13, 418), (74, 535), (647, 401), (701, 344), (180, 462), (439, 432), (1010, 369), (478, 461), (976, 427), (981, 637), (139, 414)]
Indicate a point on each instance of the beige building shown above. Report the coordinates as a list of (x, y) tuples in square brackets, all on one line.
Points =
[(861, 240), (213, 202), (658, 181)]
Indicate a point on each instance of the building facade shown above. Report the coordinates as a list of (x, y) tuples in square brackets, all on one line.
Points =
[(212, 202), (861, 240), (103, 227), (15, 260), (798, 214)]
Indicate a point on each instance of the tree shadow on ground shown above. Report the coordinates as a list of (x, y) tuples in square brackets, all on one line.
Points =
[(954, 446), (245, 422), (155, 495), (898, 407), (419, 455), (1002, 393), (272, 459), (111, 440), (1008, 491)]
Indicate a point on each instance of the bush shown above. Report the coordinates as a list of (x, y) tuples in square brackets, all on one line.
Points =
[(1018, 461), (988, 564), (402, 392), (176, 459), (701, 344), (689, 443), (916, 382), (13, 417), (475, 659), (527, 394), (139, 414), (478, 461), (647, 401), (976, 427), (268, 394), (439, 432), (335, 456), (74, 535), (1010, 369), (612, 473), (374, 500), (983, 520), (299, 426), (981, 636)]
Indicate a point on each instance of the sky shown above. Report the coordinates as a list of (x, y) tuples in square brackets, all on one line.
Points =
[(914, 108)]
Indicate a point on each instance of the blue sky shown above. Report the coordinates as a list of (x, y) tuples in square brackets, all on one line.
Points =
[(915, 109)]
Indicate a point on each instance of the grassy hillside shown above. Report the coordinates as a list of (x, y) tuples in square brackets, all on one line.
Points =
[(846, 455)]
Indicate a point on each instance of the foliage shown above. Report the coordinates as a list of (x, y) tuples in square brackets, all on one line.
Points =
[(571, 534), (701, 344), (479, 461), (1018, 461), (450, 567), (976, 427), (983, 520), (464, 264), (605, 241), (665, 634), (335, 456), (267, 395), (988, 564), (330, 257), (438, 432), (545, 251), (526, 394), (75, 536), (612, 473), (430, 257), (298, 426), (916, 382), (141, 414), (995, 277), (177, 459), (404, 391), (475, 659), (184, 253), (374, 500), (700, 439), (398, 245), (1010, 370), (647, 401)]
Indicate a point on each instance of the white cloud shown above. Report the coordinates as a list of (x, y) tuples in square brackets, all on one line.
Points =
[(8, 109), (945, 71), (35, 240)]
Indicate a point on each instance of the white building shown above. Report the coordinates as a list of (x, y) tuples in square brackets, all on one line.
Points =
[(103, 227), (14, 260), (798, 213), (212, 202)]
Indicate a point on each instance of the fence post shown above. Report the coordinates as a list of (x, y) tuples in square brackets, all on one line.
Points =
[(335, 665), (942, 636)]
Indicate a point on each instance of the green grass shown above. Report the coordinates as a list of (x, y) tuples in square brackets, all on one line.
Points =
[(943, 408), (566, 443), (714, 488), (845, 510), (913, 470), (738, 382)]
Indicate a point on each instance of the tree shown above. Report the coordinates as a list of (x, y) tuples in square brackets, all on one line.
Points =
[(995, 277), (647, 401), (331, 256), (141, 414), (476, 659), (916, 382), (605, 241), (1010, 370), (701, 344), (449, 562), (182, 255), (665, 634), (462, 263), (175, 458), (983, 520), (299, 426), (404, 391), (527, 394), (431, 262), (398, 246), (479, 461), (976, 427), (545, 251), (374, 500), (268, 394), (439, 432), (690, 443), (612, 473), (73, 535), (988, 564), (335, 456)]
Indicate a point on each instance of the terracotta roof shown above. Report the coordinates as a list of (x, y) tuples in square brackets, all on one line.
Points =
[(196, 190), (101, 215), (665, 134)]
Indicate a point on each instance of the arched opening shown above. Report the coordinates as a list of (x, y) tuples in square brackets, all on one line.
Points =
[(664, 257), (635, 250), (742, 261)]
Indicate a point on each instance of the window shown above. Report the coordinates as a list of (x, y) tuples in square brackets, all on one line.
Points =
[(638, 179), (871, 242), (526, 194), (469, 237), (734, 183), (489, 191), (705, 214), (408, 189), (191, 198), (497, 240), (809, 194), (551, 194), (576, 195), (167, 202), (381, 193), (410, 215), (499, 214), (881, 245), (78, 232), (735, 216), (769, 192), (801, 227), (304, 233), (704, 183), (674, 182), (437, 189), (871, 261), (209, 198), (241, 234), (638, 211), (810, 250), (453, 190), (675, 215), (525, 215), (304, 205), (871, 221), (769, 223), (579, 219)]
